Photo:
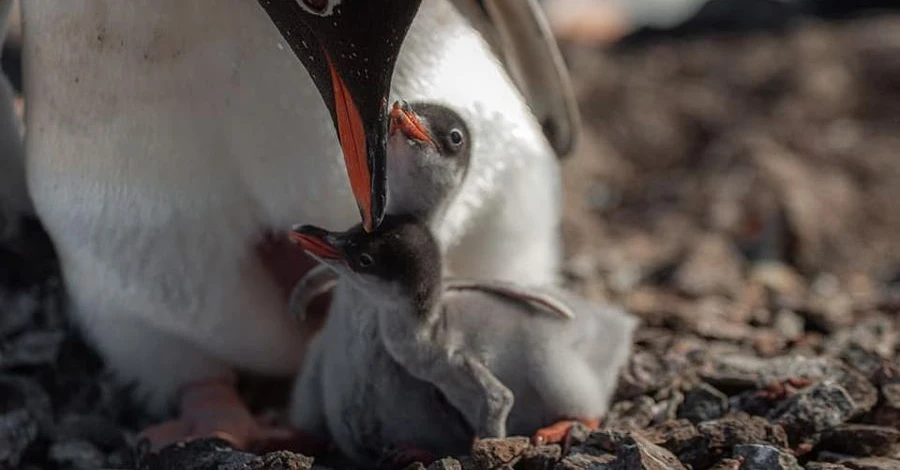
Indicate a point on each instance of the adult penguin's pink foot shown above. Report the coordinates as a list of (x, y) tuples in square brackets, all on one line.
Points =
[(213, 408), (557, 432)]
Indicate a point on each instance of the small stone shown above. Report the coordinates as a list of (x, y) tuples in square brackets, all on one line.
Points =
[(725, 433), (587, 462), (891, 394), (764, 457), (76, 455), (873, 463), (446, 463), (813, 410), (415, 466), (642, 374), (789, 324), (200, 454), (703, 403), (467, 462), (539, 458), (640, 454), (824, 466), (861, 439), (281, 460), (713, 268), (495, 453), (631, 415), (727, 464), (676, 435), (578, 433)]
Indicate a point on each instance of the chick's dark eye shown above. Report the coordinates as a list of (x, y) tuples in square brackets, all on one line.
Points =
[(456, 137), (365, 260)]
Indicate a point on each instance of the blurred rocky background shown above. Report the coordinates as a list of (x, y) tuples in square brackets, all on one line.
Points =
[(736, 186)]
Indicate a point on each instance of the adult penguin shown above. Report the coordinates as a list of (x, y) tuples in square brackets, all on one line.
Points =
[(170, 144)]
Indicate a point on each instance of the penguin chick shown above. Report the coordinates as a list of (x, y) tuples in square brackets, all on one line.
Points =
[(429, 149), (407, 357)]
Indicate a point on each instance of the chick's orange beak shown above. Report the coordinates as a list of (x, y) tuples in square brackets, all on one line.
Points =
[(312, 240), (404, 120)]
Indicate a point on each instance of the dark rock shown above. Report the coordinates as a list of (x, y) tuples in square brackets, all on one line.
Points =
[(447, 463), (633, 451), (744, 372), (873, 463), (18, 309), (415, 466), (764, 457), (813, 410), (201, 454), (631, 415), (18, 430), (677, 435), (539, 458), (719, 437), (25, 412), (98, 430), (76, 455), (34, 348), (607, 440), (703, 403), (865, 344), (861, 439), (496, 453), (587, 462), (281, 460)]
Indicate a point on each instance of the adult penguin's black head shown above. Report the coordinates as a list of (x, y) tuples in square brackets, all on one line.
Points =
[(349, 48)]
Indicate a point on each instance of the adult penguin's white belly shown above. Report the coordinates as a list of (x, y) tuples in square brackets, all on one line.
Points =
[(165, 138)]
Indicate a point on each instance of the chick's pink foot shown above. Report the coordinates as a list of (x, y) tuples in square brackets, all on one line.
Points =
[(557, 432), (214, 409)]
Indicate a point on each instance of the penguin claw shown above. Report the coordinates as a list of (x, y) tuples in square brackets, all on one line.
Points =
[(557, 433)]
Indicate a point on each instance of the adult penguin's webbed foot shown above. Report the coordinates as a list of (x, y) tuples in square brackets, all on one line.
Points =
[(557, 432), (213, 408)]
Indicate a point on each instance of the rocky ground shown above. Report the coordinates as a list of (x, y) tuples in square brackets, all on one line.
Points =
[(737, 193)]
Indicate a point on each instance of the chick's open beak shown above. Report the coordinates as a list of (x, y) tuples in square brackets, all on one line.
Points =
[(315, 241), (405, 120)]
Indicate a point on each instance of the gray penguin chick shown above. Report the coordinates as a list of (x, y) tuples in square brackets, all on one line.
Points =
[(408, 357)]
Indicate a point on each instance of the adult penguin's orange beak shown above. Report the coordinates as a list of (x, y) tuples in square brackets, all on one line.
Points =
[(349, 48)]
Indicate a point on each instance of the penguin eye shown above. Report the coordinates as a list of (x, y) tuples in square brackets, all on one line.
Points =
[(456, 138), (365, 260), (315, 6)]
